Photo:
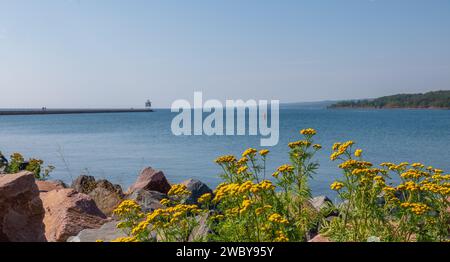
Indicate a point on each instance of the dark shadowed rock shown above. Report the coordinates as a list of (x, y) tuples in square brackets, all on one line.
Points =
[(151, 180), (106, 195), (148, 200), (67, 212), (197, 189), (21, 210), (84, 184), (106, 233)]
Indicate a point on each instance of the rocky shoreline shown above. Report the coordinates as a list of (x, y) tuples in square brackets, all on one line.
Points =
[(50, 211)]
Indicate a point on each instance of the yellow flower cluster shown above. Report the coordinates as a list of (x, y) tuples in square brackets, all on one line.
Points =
[(283, 169), (337, 186), (17, 157), (352, 163), (242, 161), (416, 208), (164, 202), (245, 206), (127, 207), (241, 170), (393, 167), (413, 173), (409, 186), (379, 180), (264, 152), (358, 152), (225, 159), (204, 198), (340, 148), (317, 146), (235, 189), (308, 132), (418, 165), (178, 190), (299, 143), (123, 239), (260, 210), (277, 218), (164, 218), (249, 152), (281, 237)]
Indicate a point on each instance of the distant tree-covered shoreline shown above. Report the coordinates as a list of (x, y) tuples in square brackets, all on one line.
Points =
[(435, 99)]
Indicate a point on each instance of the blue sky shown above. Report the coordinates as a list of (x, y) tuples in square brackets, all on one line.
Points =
[(96, 53)]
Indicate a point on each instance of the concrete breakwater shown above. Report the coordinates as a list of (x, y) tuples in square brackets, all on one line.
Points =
[(45, 111)]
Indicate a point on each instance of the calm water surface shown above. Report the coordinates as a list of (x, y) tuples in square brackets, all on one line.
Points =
[(117, 146)]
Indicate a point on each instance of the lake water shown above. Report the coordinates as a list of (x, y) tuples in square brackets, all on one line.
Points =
[(117, 146)]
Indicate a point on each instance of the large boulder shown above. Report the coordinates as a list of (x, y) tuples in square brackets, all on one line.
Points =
[(151, 180), (21, 210), (106, 233), (148, 200), (197, 189), (106, 195), (49, 185), (67, 212)]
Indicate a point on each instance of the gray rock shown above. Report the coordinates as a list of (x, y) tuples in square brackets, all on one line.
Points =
[(148, 200), (105, 233), (197, 189), (201, 231), (320, 202)]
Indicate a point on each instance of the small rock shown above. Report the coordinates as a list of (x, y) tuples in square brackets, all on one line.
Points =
[(320, 202), (323, 204), (320, 238), (105, 233), (148, 200), (151, 180), (197, 189), (67, 212), (49, 185), (21, 210), (84, 184)]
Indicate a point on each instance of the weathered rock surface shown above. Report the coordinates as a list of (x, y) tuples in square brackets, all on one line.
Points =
[(49, 185), (67, 212), (201, 231), (197, 189), (320, 202), (106, 233), (21, 210), (84, 184), (320, 238), (106, 195), (151, 180), (148, 200)]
